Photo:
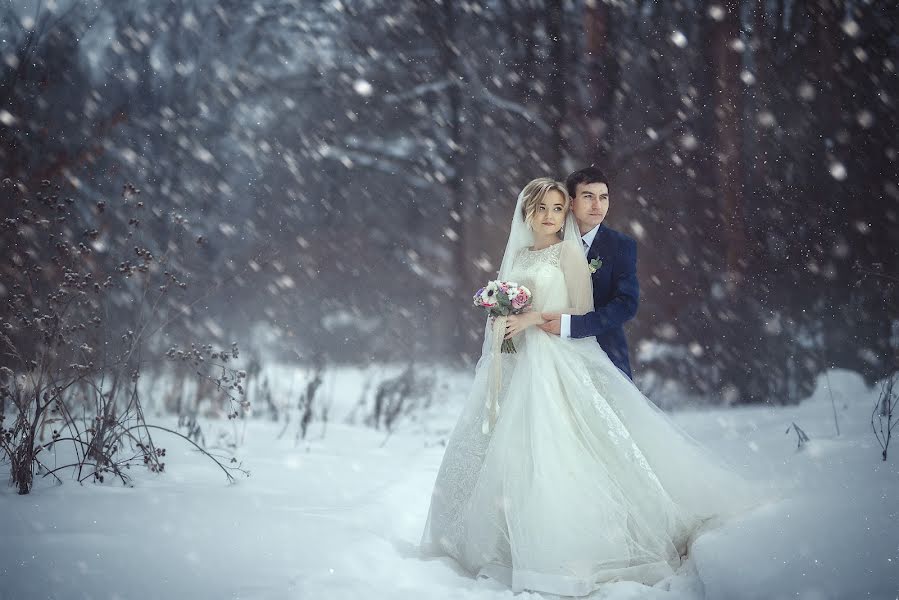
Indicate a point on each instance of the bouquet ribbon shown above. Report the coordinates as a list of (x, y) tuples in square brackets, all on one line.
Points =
[(495, 375)]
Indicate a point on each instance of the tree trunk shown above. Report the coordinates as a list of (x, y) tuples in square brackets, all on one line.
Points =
[(823, 58), (441, 26), (728, 107), (602, 79), (555, 89)]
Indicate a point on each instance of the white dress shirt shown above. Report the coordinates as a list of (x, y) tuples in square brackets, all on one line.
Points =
[(587, 239)]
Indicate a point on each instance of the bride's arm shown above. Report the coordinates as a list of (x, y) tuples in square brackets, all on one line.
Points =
[(577, 279)]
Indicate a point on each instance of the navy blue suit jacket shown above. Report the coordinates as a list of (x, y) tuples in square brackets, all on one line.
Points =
[(616, 294)]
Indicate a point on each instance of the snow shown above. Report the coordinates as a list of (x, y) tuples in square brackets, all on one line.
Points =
[(362, 87), (851, 28), (339, 515), (7, 118), (678, 39), (838, 171), (716, 12)]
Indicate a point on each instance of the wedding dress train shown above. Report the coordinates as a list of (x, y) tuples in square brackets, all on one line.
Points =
[(581, 480)]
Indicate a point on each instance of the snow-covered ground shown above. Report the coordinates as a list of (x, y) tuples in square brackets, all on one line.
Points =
[(339, 516)]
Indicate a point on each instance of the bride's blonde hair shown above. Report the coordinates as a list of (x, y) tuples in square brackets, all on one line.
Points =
[(535, 191)]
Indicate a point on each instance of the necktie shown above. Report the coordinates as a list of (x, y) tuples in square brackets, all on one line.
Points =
[(586, 247)]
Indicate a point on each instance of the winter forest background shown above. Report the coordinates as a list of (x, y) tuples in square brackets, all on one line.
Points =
[(326, 183), (233, 220), (335, 178)]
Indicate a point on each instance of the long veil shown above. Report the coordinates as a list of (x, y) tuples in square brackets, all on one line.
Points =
[(520, 237)]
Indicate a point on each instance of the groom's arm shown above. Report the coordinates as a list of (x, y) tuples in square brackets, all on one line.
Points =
[(623, 305)]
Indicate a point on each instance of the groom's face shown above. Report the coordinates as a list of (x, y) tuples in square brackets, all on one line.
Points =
[(590, 205)]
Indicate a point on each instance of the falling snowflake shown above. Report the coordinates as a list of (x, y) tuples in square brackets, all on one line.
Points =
[(679, 39), (6, 118), (865, 118), (737, 45), (806, 91), (362, 87), (637, 229), (766, 119), (851, 28), (838, 170), (689, 142)]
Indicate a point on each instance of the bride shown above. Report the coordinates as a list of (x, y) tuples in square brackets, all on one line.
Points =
[(560, 475)]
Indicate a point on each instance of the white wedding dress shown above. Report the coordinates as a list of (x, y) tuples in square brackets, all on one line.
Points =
[(581, 480)]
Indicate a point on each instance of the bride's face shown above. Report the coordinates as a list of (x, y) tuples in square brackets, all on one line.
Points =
[(550, 214)]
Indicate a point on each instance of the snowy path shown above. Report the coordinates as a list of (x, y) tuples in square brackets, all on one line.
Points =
[(339, 517)]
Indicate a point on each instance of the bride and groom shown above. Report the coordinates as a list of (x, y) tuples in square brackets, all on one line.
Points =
[(616, 291), (579, 480)]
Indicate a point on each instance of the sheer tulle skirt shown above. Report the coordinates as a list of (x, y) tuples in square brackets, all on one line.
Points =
[(582, 480)]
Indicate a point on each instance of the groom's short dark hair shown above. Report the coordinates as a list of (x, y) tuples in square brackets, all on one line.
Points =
[(589, 175)]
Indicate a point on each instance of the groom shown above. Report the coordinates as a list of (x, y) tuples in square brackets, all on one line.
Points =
[(616, 291)]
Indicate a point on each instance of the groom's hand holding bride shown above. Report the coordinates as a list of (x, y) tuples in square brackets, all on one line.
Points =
[(552, 323), (515, 324)]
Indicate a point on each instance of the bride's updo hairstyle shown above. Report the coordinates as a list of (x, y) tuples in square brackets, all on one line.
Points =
[(535, 191)]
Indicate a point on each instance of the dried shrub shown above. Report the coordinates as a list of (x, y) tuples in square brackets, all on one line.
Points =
[(82, 300), (400, 395), (885, 416)]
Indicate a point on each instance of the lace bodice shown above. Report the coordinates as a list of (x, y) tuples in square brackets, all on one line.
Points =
[(557, 276)]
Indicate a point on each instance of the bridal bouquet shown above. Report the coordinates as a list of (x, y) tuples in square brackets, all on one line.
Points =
[(501, 299)]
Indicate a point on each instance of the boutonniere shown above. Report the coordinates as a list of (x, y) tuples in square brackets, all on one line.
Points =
[(595, 265)]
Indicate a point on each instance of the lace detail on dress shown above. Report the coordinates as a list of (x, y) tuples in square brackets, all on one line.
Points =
[(597, 384), (540, 272), (527, 259)]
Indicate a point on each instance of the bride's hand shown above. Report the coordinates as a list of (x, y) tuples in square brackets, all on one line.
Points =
[(515, 324)]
